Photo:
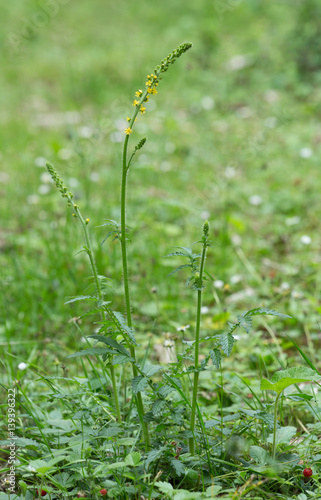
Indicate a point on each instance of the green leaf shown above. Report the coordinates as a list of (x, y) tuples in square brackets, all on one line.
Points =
[(80, 297), (122, 322), (216, 357), (158, 407), (283, 379), (178, 269), (119, 360), (91, 352), (117, 465), (265, 311), (165, 488), (153, 455), (133, 459), (245, 322), (178, 467), (150, 370), (139, 383), (260, 455), (227, 341), (283, 435), (112, 343)]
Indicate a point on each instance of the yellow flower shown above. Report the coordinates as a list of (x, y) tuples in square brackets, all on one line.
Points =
[(142, 109), (128, 131), (138, 93), (128, 119), (135, 103), (149, 90), (154, 91)]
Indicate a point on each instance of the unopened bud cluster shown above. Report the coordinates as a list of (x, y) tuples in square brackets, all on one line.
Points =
[(58, 181)]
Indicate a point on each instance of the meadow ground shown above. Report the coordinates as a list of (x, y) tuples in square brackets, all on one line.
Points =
[(233, 137)]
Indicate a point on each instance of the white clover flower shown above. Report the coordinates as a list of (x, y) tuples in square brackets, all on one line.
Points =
[(236, 239), (229, 172), (255, 199), (73, 182), (204, 310), (43, 189), (271, 95), (205, 215), (4, 177), (86, 132), (64, 154), (207, 102), (165, 166), (94, 176), (117, 136), (32, 199), (46, 178), (306, 153), (270, 122), (305, 239), (40, 161), (236, 278), (237, 62), (291, 221), (218, 284), (22, 366)]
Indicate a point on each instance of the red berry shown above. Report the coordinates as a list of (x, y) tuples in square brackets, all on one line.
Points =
[(103, 492), (307, 472), (42, 492)]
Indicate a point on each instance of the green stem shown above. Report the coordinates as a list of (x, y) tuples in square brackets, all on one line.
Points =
[(101, 298), (274, 427), (197, 341), (123, 241)]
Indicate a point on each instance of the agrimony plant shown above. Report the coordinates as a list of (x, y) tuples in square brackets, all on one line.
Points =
[(121, 325)]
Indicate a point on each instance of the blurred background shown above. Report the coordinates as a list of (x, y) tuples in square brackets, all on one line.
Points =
[(233, 137)]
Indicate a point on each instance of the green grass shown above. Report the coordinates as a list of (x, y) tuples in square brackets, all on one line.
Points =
[(216, 138)]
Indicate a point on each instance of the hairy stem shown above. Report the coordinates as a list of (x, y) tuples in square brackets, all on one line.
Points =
[(274, 426), (123, 240), (101, 298), (197, 341)]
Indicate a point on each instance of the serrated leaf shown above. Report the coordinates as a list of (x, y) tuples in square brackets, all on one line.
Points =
[(153, 455), (94, 351), (165, 390), (245, 322), (80, 297), (227, 341), (112, 343), (283, 379), (283, 435), (139, 383), (158, 407), (117, 465), (178, 269), (178, 467), (165, 488), (150, 370), (133, 459), (260, 455), (265, 311), (130, 332), (119, 360), (215, 357)]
